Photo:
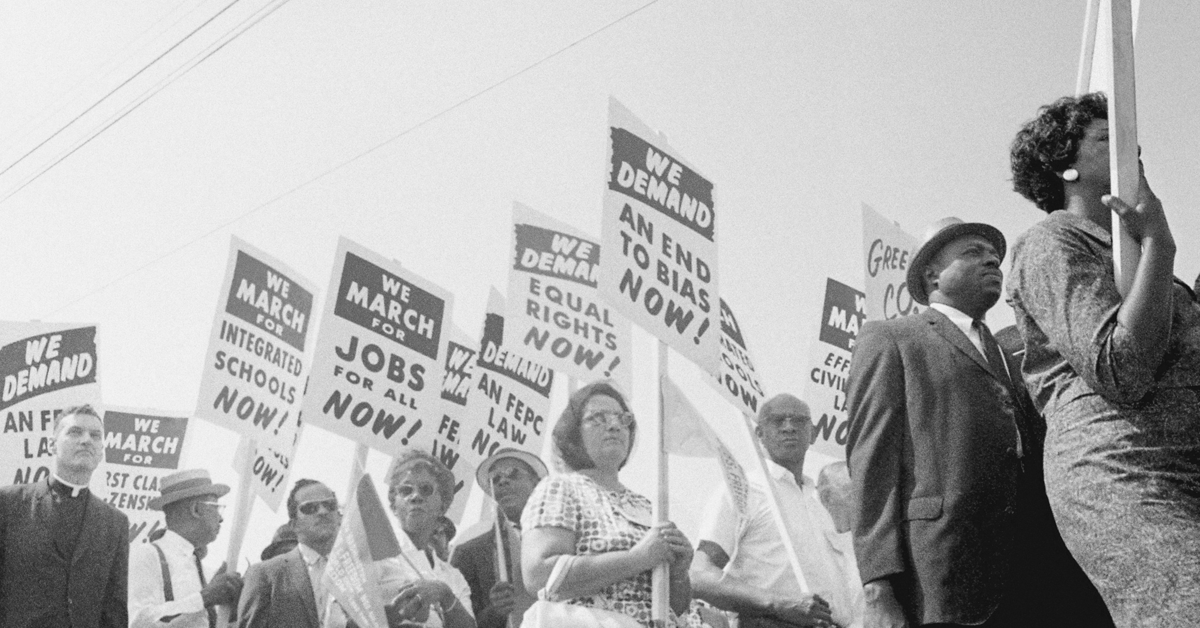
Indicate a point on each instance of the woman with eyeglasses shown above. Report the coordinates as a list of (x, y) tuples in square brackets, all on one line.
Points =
[(590, 541), (423, 589)]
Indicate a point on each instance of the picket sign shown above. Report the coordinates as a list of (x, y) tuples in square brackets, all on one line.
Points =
[(660, 601), (1106, 63)]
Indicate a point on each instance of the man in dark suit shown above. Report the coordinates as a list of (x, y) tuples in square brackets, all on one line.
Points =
[(64, 552), (950, 520), (507, 476), (286, 591)]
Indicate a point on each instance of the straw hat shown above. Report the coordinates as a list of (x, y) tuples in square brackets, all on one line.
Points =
[(483, 475), (185, 485)]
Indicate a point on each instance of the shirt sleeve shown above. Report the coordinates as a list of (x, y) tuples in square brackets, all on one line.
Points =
[(1065, 285), (720, 522), (147, 608), (554, 503)]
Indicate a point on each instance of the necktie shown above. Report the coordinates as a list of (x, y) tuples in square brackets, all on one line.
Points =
[(991, 352), (212, 612)]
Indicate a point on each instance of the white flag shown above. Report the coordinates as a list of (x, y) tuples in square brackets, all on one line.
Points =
[(687, 434)]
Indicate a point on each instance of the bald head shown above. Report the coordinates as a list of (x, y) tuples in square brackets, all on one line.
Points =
[(835, 491), (785, 430), (783, 404)]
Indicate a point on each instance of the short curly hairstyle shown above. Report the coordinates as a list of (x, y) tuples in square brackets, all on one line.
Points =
[(1048, 144), (412, 459), (567, 436)]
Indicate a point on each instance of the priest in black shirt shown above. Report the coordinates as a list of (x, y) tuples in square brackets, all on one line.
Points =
[(64, 552)]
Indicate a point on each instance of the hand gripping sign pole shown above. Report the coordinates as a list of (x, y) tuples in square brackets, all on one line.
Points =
[(1113, 21), (660, 578)]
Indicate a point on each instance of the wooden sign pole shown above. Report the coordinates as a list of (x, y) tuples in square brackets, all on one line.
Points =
[(1122, 141), (660, 578)]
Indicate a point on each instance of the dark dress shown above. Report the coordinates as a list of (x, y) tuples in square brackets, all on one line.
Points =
[(1122, 453)]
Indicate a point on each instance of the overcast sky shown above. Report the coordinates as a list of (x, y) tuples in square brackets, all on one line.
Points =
[(798, 112)]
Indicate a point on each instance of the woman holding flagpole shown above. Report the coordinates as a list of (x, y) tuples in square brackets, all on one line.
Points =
[(589, 543), (422, 588), (1118, 379)]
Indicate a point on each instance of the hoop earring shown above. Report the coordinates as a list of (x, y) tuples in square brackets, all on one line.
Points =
[(1070, 174)]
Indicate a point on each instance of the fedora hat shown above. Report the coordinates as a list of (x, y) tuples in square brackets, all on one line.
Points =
[(283, 541), (484, 472), (185, 485), (939, 234)]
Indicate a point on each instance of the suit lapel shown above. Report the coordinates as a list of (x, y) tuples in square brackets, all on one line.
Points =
[(92, 519), (952, 334), (44, 500), (300, 569)]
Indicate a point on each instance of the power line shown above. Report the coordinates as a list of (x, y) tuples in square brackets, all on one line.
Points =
[(114, 90), (16, 135), (196, 60), (355, 158)]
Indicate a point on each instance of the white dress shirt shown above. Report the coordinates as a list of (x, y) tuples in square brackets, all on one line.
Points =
[(757, 555), (148, 607), (964, 323)]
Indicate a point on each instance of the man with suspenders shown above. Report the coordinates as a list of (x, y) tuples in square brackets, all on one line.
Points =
[(167, 584)]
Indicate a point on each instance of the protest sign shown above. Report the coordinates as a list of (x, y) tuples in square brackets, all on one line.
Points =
[(555, 314), (889, 251), (448, 443), (659, 237), (140, 447), (829, 363), (269, 468), (511, 399), (378, 360), (44, 367), (739, 380), (254, 373), (352, 576)]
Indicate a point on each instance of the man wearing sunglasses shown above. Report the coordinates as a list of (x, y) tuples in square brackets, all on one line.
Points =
[(508, 477), (286, 591), (168, 587)]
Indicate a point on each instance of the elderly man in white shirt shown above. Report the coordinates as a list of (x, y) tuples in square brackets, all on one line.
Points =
[(167, 584), (742, 563)]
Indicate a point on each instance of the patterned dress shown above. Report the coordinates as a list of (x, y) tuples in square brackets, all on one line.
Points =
[(1123, 441), (603, 521)]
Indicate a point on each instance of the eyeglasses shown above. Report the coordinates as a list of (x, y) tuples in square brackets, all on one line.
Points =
[(219, 507), (313, 507), (513, 474), (407, 490), (606, 418)]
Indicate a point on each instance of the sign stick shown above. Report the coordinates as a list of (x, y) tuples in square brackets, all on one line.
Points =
[(1088, 49), (1123, 145), (498, 529), (660, 577), (773, 499), (241, 513)]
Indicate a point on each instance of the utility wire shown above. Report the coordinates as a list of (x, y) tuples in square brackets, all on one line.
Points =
[(199, 58), (16, 135), (114, 90), (353, 159)]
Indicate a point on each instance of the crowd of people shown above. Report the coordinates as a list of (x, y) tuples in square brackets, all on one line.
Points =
[(1047, 475)]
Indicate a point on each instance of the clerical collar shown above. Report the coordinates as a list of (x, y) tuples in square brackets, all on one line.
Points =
[(65, 487)]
